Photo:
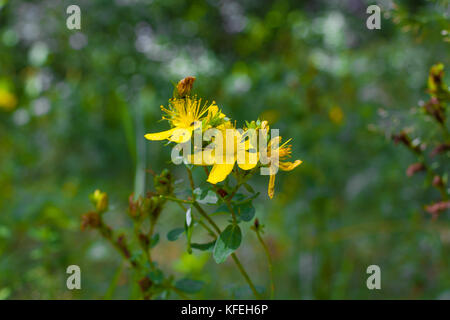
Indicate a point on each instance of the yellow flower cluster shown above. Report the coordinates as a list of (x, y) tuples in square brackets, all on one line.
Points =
[(187, 113)]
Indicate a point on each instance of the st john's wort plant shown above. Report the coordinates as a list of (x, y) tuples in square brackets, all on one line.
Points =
[(203, 138)]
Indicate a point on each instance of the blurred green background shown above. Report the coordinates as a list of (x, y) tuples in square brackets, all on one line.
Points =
[(75, 104)]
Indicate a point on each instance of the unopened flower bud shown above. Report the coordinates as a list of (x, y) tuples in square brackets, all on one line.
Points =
[(402, 137), (265, 125), (184, 86), (145, 284), (437, 182), (100, 200), (90, 220), (435, 83), (163, 183), (435, 109), (440, 149), (135, 206), (414, 168), (222, 192), (436, 208), (256, 224)]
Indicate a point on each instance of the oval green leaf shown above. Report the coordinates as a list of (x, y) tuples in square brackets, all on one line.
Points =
[(175, 234), (245, 211), (189, 285), (228, 241)]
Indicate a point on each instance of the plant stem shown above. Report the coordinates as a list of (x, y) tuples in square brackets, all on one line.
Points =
[(143, 247), (176, 199), (150, 236), (244, 273), (233, 255), (200, 222), (191, 181), (207, 217), (218, 231), (180, 293), (269, 261)]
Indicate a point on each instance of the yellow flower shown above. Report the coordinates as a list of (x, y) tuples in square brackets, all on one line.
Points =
[(8, 101), (235, 148), (184, 115), (284, 152)]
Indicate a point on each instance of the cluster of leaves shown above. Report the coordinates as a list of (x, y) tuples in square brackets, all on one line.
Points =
[(144, 212), (430, 162), (226, 201)]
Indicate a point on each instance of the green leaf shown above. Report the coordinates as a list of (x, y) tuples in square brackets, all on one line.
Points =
[(205, 196), (222, 209), (156, 276), (204, 246), (248, 188), (174, 234), (200, 193), (154, 241), (245, 211), (238, 197), (189, 285), (228, 241)]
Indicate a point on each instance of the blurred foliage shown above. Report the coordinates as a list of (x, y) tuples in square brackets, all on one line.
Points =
[(74, 106)]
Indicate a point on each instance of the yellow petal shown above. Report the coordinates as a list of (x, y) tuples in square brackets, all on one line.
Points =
[(288, 166), (250, 161), (163, 135), (219, 172), (271, 189), (181, 135), (246, 166)]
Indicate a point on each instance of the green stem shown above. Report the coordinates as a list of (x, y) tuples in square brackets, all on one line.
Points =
[(191, 181), (176, 199), (180, 293), (245, 275), (146, 251), (269, 261), (150, 236), (218, 231), (207, 217), (200, 222), (445, 132), (233, 255)]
